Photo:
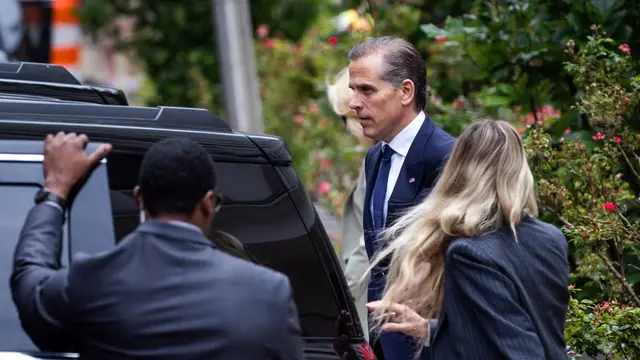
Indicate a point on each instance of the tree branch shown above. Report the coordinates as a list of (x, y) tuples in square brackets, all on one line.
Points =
[(626, 158), (619, 276)]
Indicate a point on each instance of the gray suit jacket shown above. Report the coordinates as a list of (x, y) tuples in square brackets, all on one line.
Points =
[(354, 254), (505, 299), (165, 292)]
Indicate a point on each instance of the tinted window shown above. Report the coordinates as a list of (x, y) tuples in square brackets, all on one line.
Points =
[(123, 177), (260, 213), (92, 231), (257, 211)]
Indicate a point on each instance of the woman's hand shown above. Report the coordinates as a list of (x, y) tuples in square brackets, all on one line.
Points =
[(401, 318)]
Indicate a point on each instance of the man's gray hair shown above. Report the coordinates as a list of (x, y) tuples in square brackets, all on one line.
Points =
[(401, 62)]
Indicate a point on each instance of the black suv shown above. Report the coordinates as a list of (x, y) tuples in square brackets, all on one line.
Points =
[(265, 205)]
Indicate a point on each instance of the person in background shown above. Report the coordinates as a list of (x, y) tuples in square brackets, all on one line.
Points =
[(165, 291), (228, 244), (474, 254), (389, 79), (354, 255)]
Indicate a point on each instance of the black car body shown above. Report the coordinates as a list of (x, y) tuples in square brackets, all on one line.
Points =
[(265, 206)]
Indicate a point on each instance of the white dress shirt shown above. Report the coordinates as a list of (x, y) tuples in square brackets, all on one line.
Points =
[(400, 144)]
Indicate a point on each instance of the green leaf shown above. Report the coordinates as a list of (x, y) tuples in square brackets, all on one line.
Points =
[(576, 22), (432, 31), (604, 7)]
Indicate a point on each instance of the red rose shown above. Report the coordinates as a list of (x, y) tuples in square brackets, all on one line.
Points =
[(324, 188), (262, 31), (440, 39), (625, 49), (268, 43)]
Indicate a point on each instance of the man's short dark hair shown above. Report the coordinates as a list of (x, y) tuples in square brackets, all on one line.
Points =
[(401, 62), (175, 174)]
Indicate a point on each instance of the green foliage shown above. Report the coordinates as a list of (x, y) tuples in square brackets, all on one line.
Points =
[(581, 178), (580, 181), (518, 45), (593, 329), (174, 42)]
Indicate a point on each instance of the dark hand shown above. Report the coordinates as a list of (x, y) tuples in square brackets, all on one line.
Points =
[(342, 346), (66, 163)]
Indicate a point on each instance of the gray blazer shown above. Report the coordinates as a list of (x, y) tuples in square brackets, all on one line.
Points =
[(354, 254), (165, 292), (505, 299)]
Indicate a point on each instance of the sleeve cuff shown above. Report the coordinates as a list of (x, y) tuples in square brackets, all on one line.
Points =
[(430, 325), (55, 205)]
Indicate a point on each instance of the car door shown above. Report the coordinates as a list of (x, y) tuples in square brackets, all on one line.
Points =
[(20, 178)]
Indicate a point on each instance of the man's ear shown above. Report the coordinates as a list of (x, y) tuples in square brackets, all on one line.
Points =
[(408, 92), (208, 202), (137, 197)]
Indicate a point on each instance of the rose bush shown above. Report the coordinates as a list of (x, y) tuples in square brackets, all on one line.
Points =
[(585, 181), (603, 328)]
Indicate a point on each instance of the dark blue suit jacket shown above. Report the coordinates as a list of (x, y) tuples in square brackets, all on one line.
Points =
[(420, 170), (165, 292), (505, 300)]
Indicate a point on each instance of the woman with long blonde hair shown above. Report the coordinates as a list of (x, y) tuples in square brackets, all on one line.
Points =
[(474, 256)]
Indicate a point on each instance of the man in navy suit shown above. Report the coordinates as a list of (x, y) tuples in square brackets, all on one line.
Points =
[(165, 291), (389, 80)]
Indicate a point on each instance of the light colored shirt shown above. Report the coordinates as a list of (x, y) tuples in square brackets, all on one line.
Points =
[(401, 144)]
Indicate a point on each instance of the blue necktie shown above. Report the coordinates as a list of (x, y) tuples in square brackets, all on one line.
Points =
[(380, 189)]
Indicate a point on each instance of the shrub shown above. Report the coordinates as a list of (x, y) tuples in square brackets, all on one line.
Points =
[(584, 182)]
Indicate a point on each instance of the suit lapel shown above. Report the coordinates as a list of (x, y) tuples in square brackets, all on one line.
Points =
[(409, 180), (371, 173)]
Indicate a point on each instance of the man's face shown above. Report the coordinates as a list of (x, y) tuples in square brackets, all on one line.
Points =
[(377, 103)]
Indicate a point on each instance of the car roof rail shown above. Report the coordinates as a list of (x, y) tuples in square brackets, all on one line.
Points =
[(85, 113), (37, 72), (68, 92)]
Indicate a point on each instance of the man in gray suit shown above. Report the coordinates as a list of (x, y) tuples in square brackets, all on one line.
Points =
[(164, 292)]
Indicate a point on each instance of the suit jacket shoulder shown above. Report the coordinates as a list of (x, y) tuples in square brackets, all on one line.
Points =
[(548, 239), (436, 154)]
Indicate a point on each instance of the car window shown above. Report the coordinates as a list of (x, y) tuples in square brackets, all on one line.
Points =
[(259, 213), (123, 172), (91, 231)]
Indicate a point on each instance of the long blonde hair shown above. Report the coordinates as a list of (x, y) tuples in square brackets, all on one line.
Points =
[(485, 185), (339, 95)]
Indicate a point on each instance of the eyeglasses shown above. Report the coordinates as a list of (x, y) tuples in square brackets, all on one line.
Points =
[(219, 201)]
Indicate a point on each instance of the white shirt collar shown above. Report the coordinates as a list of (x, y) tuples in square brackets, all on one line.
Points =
[(402, 142)]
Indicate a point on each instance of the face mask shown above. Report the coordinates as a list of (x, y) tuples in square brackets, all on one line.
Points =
[(142, 216)]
